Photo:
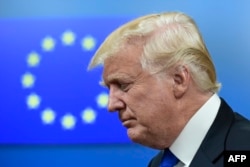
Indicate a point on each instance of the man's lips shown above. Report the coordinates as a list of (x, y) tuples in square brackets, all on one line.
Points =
[(127, 119), (128, 123)]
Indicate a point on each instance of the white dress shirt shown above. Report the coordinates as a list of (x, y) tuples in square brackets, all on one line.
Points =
[(191, 137)]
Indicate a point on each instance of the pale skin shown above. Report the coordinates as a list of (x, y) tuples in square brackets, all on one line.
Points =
[(154, 109)]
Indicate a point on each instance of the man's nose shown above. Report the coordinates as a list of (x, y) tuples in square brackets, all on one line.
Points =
[(115, 102)]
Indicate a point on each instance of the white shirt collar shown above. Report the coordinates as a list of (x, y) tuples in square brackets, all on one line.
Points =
[(190, 138)]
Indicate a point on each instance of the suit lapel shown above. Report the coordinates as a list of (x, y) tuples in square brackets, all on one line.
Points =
[(155, 162)]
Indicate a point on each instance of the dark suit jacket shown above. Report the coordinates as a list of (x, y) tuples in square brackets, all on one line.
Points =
[(229, 131)]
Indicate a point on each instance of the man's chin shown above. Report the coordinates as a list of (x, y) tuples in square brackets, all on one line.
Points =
[(135, 135), (132, 134)]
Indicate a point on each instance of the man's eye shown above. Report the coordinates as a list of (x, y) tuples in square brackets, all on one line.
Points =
[(123, 87)]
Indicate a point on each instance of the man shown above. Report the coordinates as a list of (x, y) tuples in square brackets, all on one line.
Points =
[(163, 84)]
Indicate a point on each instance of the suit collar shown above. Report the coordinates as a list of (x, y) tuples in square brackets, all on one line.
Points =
[(185, 145), (213, 145)]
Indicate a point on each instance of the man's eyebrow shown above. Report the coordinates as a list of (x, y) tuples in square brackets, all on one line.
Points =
[(115, 77)]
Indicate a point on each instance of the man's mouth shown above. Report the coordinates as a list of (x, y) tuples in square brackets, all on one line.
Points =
[(128, 123)]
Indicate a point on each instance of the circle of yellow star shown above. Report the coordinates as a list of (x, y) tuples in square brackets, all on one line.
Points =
[(33, 101)]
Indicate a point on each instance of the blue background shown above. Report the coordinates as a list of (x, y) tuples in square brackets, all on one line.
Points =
[(225, 27), (61, 81)]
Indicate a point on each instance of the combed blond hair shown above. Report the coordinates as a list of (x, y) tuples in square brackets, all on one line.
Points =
[(167, 39)]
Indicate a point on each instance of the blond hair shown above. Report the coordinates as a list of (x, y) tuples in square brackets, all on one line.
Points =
[(168, 38)]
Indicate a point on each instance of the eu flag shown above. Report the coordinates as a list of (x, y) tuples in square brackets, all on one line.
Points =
[(47, 94)]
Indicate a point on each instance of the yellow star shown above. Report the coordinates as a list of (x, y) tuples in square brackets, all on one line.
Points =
[(33, 59), (88, 115), (48, 43), (68, 38), (88, 43), (33, 101), (48, 116), (68, 121), (102, 100), (28, 80)]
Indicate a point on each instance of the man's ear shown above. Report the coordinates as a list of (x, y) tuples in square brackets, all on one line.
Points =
[(181, 78)]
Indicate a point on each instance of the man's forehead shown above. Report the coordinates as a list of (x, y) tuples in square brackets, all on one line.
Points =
[(122, 61), (122, 72)]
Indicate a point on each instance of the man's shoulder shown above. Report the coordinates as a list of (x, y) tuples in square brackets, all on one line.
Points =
[(239, 134), (241, 125)]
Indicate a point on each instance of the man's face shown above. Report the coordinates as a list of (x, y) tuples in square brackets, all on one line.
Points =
[(145, 103)]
